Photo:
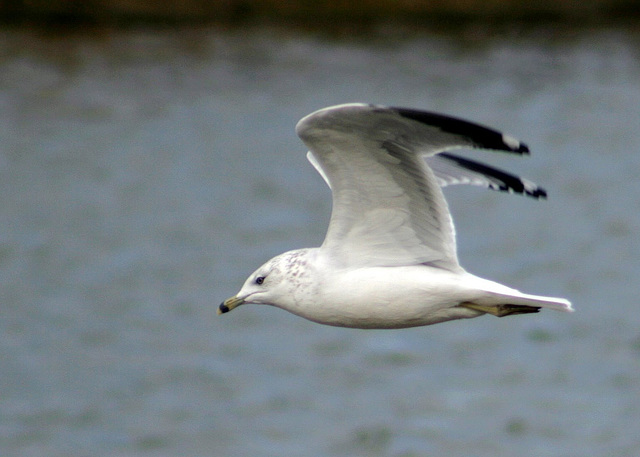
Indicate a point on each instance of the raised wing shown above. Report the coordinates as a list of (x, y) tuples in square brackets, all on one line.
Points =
[(388, 209)]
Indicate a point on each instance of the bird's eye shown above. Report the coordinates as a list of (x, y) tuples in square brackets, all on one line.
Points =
[(259, 280)]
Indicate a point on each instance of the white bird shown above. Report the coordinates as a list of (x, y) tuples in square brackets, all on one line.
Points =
[(389, 257)]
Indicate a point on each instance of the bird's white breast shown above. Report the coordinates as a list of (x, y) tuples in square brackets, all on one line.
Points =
[(386, 297)]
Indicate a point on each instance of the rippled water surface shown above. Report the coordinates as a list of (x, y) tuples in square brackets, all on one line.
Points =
[(145, 174)]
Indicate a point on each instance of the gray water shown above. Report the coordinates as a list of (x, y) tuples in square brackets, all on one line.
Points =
[(145, 174)]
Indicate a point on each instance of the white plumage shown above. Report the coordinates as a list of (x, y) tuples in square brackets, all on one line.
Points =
[(389, 257)]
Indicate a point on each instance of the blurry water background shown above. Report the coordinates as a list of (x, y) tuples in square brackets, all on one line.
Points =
[(145, 173)]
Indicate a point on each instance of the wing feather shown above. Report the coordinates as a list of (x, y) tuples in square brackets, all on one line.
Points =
[(388, 208), (451, 169)]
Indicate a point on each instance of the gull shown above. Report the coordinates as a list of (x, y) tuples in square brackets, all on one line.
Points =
[(389, 257)]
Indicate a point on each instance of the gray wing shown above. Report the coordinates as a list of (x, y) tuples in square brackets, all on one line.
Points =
[(388, 208)]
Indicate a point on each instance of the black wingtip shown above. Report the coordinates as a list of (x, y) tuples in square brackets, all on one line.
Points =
[(538, 193), (523, 149), (530, 190), (498, 179), (478, 135)]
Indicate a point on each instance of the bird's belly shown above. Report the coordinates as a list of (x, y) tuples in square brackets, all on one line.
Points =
[(395, 297)]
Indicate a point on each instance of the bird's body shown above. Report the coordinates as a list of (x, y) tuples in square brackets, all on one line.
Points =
[(389, 258)]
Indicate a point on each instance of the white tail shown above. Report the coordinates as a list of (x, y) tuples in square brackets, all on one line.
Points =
[(559, 304), (498, 294)]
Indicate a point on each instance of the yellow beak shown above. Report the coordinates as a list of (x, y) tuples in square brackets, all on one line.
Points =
[(229, 304)]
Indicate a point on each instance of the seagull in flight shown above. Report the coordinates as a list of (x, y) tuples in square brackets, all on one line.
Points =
[(389, 257)]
